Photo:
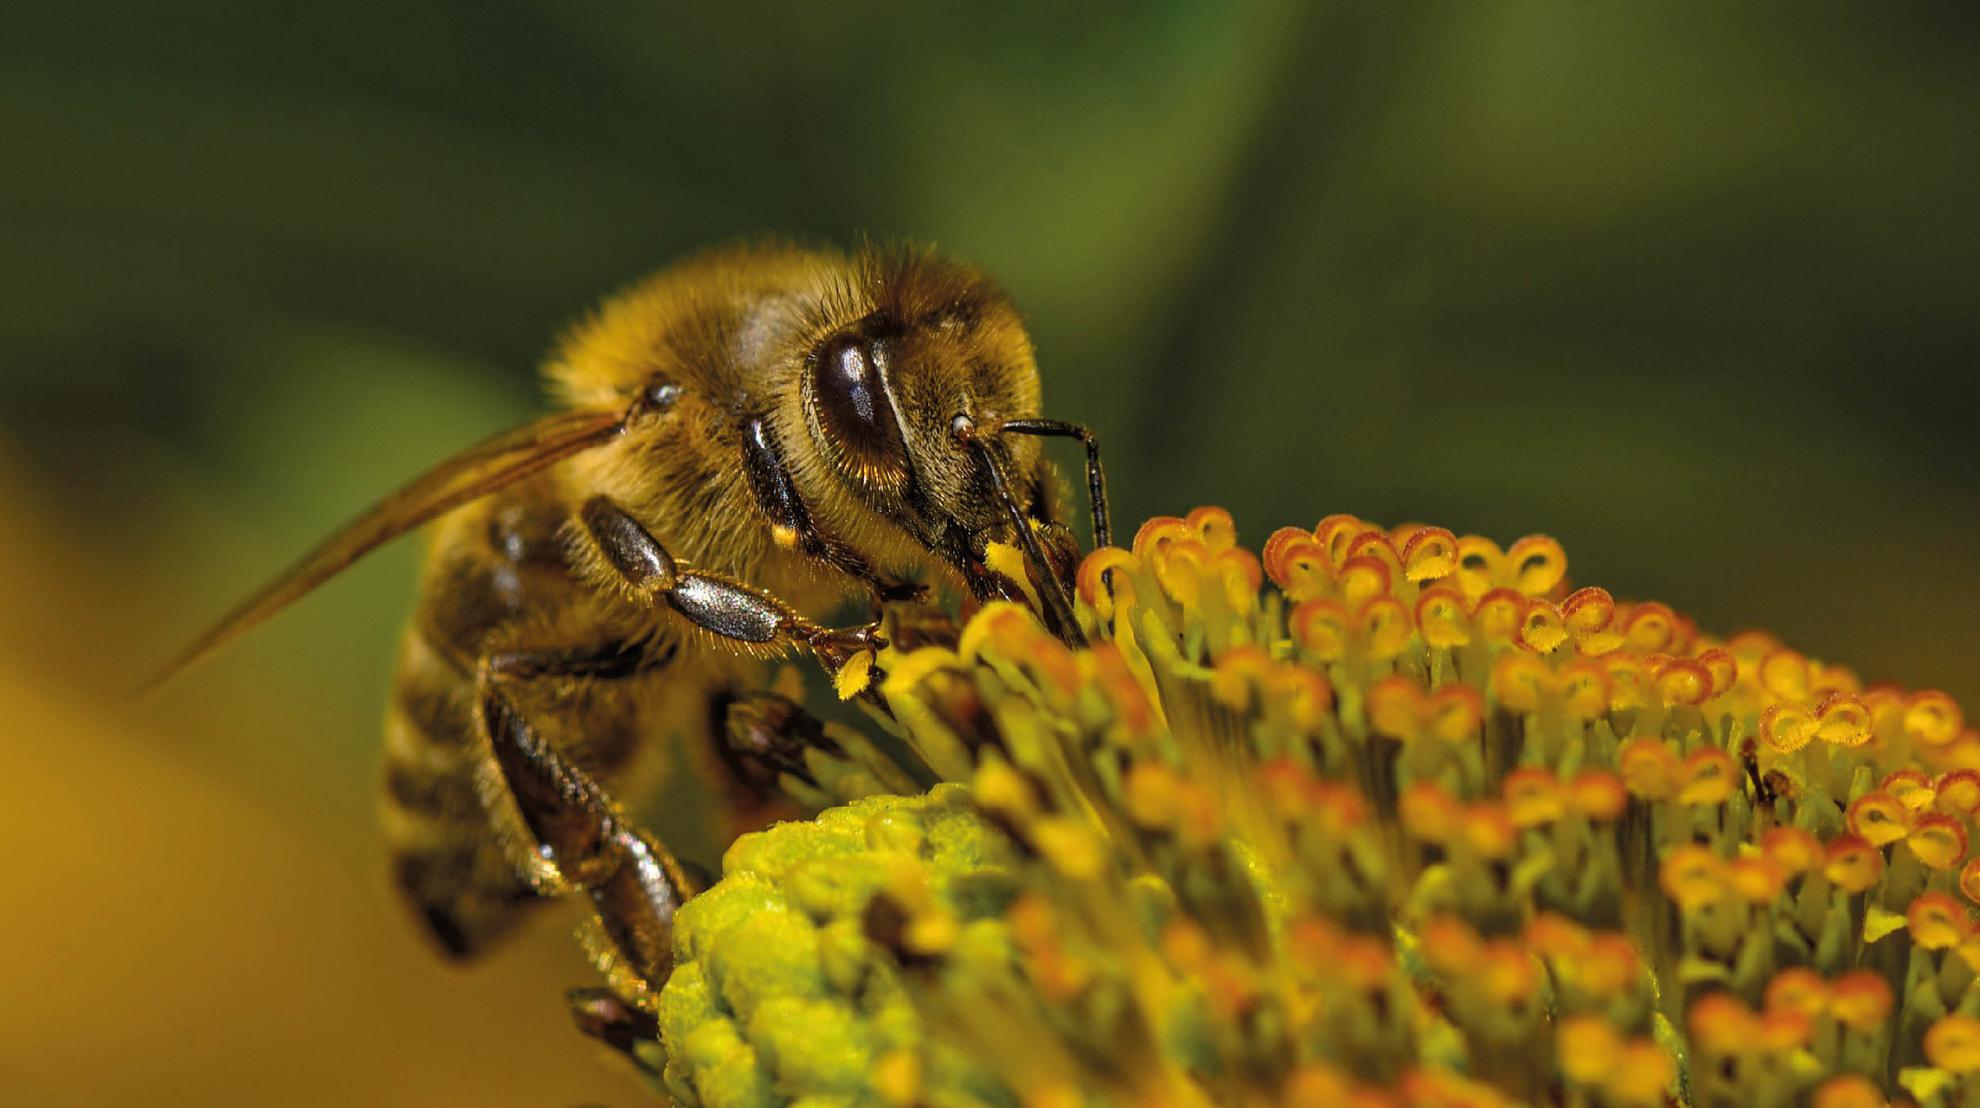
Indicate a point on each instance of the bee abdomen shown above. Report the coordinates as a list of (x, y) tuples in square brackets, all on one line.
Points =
[(445, 859)]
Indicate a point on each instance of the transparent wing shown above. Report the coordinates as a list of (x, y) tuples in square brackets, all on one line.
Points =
[(473, 473)]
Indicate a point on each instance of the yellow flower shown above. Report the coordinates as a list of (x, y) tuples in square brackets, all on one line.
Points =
[(1385, 816)]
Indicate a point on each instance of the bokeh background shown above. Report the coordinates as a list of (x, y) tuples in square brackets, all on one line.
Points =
[(1693, 289)]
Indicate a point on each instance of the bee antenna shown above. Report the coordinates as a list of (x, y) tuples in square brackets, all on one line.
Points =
[(1096, 478)]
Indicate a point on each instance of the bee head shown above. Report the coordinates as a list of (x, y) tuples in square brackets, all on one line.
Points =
[(907, 393), (883, 393)]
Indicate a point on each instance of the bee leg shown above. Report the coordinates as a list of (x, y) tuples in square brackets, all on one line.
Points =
[(606, 1016), (765, 735), (759, 737), (742, 613), (585, 844), (770, 480)]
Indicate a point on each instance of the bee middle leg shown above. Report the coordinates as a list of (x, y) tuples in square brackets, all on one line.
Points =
[(731, 609), (608, 1017), (759, 736), (578, 840), (573, 838)]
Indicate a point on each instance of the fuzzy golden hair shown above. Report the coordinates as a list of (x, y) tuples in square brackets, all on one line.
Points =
[(734, 330)]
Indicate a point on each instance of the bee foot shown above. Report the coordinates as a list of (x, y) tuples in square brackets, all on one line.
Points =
[(837, 646)]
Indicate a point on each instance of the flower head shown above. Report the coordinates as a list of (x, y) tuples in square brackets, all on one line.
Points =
[(1376, 816)]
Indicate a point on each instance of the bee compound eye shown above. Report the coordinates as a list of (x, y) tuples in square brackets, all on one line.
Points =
[(853, 407)]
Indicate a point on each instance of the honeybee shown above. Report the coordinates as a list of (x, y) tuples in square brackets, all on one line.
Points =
[(750, 440)]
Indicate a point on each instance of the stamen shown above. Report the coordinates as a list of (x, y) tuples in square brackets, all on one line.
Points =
[(1383, 816)]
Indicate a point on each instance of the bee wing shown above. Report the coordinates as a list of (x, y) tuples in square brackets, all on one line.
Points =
[(469, 475)]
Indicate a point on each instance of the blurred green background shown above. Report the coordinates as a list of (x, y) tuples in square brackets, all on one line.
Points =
[(1693, 289)]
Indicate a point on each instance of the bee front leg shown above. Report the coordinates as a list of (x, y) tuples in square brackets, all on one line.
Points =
[(765, 735), (791, 523), (741, 613)]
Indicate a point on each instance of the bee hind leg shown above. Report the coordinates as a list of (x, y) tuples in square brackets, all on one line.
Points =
[(580, 842)]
